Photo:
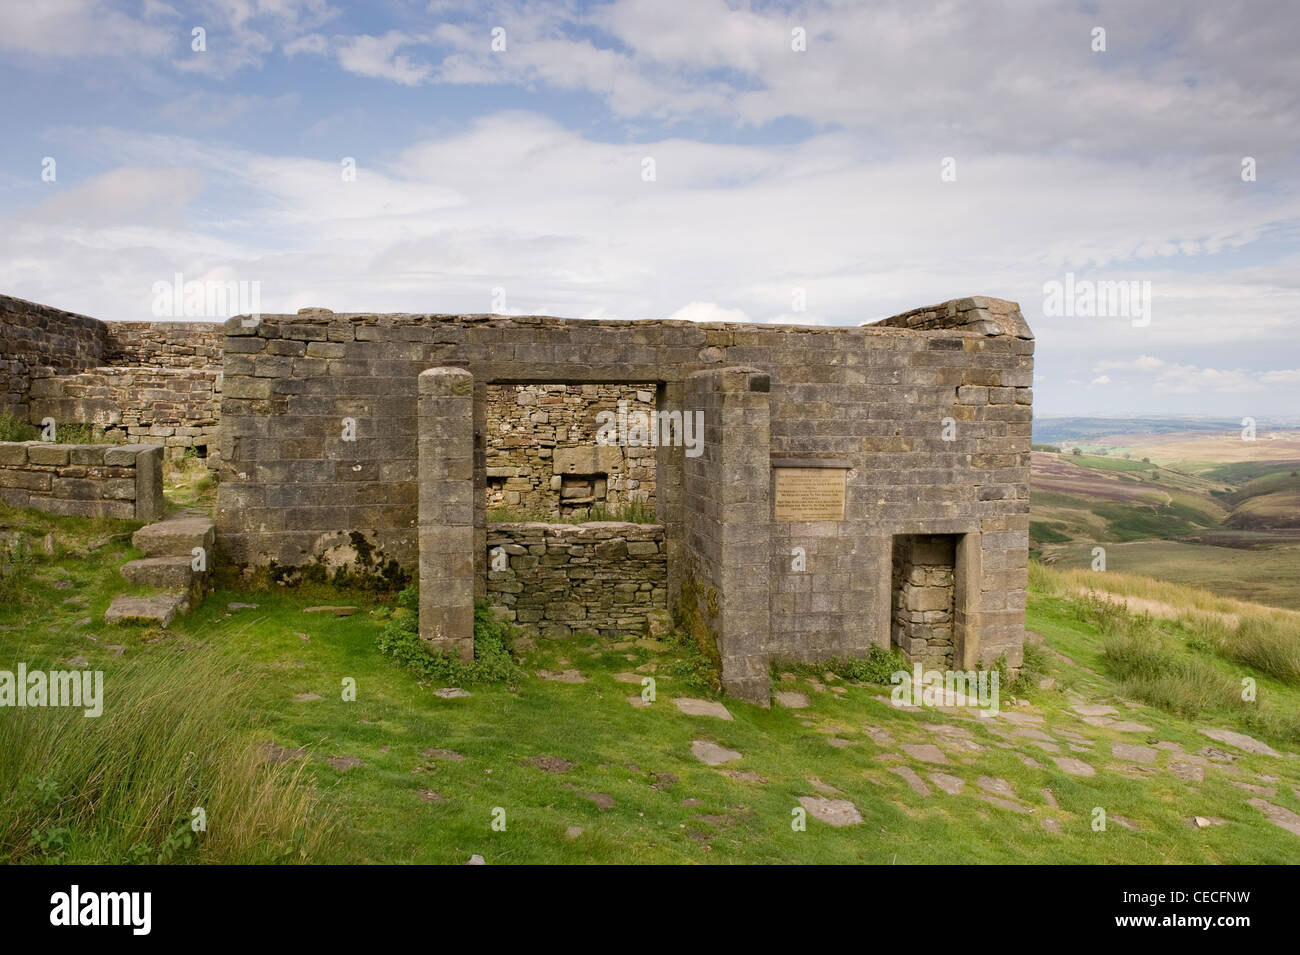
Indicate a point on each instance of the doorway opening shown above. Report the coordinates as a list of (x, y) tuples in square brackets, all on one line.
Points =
[(923, 589)]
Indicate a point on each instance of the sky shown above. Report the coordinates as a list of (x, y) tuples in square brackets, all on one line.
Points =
[(823, 163)]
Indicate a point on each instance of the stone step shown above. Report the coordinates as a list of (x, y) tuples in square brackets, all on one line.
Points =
[(175, 537), (157, 610), (165, 573)]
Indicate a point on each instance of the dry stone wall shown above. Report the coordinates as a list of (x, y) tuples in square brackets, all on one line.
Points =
[(141, 382), (177, 408), (553, 580), (83, 480), (39, 340), (189, 345), (542, 454)]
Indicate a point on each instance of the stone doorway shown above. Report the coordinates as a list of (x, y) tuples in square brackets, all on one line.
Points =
[(924, 599)]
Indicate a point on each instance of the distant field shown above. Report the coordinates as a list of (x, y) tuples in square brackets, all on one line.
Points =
[(1268, 576), (1204, 509), (1198, 451)]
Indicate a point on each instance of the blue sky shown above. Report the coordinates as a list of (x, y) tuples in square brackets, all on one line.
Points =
[(779, 173)]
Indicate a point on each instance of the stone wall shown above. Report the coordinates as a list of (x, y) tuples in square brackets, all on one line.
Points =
[(542, 454), (178, 408), (146, 382), (191, 345), (37, 339), (924, 582), (83, 480), (927, 414), (556, 579)]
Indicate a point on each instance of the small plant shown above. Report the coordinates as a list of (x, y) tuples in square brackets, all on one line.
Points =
[(400, 640), (877, 666), (15, 429), (52, 841), (692, 635), (635, 511), (79, 433), (16, 563), (514, 514)]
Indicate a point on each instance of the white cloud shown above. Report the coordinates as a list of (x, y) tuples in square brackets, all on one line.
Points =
[(65, 29), (567, 225), (309, 43), (1141, 363), (378, 57), (708, 312)]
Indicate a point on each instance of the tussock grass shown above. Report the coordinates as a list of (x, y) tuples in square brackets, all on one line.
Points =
[(1266, 638), (1172, 681), (122, 787), (1052, 580), (1272, 647)]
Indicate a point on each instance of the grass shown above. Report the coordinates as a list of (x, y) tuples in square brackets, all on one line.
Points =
[(1190, 662), (1263, 575), (1044, 532), (172, 750), (13, 428), (372, 776), (1107, 463)]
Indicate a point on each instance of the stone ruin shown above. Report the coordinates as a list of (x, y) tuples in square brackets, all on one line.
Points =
[(846, 487)]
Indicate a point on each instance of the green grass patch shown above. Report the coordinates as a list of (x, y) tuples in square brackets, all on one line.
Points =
[(1045, 533)]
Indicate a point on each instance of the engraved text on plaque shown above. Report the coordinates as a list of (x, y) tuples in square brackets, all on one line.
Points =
[(809, 494)]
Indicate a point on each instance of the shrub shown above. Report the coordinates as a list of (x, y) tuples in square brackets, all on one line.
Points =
[(1034, 667), (78, 433), (877, 666), (400, 640)]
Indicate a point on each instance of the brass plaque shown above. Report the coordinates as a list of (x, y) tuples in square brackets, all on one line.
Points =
[(809, 494)]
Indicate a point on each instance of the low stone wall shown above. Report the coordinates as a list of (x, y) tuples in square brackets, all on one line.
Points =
[(176, 407), (542, 453), (606, 577), (83, 480)]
